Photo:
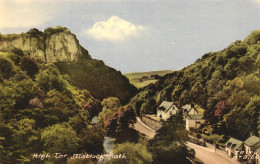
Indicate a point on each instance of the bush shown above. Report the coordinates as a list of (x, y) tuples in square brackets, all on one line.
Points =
[(134, 153), (29, 65), (253, 38), (211, 139), (7, 68)]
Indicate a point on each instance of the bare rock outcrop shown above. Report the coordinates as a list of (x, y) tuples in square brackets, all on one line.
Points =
[(52, 45)]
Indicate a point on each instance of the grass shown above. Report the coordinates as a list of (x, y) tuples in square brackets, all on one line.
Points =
[(4, 54), (142, 79)]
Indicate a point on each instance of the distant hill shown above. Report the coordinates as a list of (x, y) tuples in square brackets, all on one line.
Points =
[(142, 79), (60, 46), (225, 83)]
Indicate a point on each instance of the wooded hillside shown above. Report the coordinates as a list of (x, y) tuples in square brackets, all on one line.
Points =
[(225, 83)]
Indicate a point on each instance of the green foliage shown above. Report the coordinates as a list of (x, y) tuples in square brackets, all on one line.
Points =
[(44, 114), (29, 65), (117, 126), (26, 138), (136, 102), (50, 31), (230, 76), (253, 38), (134, 153), (242, 121), (213, 138), (59, 107), (91, 140), (149, 107), (50, 78), (100, 80), (7, 68), (110, 105), (169, 142), (60, 138)]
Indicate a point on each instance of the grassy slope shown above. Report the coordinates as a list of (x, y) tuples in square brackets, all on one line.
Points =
[(136, 78)]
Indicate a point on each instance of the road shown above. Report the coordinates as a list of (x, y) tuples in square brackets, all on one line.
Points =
[(142, 128), (208, 155), (205, 154)]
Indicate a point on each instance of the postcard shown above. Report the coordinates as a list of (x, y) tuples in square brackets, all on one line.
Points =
[(129, 81)]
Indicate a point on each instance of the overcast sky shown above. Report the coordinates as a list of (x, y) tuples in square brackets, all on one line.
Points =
[(139, 35)]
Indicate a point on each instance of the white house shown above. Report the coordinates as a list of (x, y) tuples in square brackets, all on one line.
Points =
[(192, 117), (189, 109), (194, 121), (166, 109), (257, 156), (233, 147), (251, 145)]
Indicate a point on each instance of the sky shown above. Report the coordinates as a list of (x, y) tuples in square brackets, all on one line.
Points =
[(139, 35)]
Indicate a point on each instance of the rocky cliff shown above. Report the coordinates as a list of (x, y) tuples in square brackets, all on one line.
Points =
[(58, 45), (52, 45)]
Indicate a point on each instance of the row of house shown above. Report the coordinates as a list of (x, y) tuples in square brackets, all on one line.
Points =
[(191, 115), (249, 150)]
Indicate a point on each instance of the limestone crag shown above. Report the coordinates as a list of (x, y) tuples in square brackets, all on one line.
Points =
[(52, 45)]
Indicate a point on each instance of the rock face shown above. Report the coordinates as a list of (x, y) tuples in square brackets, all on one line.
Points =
[(58, 45), (52, 45)]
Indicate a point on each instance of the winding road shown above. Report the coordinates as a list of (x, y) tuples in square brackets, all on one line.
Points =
[(205, 154)]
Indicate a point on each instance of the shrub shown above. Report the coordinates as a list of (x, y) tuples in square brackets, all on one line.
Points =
[(7, 68), (29, 65)]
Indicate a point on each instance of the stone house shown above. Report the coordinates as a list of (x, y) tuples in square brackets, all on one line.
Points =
[(233, 148)]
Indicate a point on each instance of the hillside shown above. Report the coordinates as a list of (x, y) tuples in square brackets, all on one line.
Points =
[(60, 46), (40, 111), (50, 89), (142, 79), (225, 83)]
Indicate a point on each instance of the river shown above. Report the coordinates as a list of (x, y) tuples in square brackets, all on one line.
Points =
[(108, 144)]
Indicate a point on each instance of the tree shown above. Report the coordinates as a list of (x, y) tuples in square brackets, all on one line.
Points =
[(91, 140), (168, 145), (109, 106), (134, 153), (26, 139), (60, 138), (50, 78), (118, 126), (149, 106), (7, 68), (29, 65), (221, 108), (59, 107), (242, 121)]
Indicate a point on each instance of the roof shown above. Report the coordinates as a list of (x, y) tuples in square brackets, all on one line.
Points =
[(234, 143), (258, 150), (252, 141), (165, 105), (195, 117), (188, 108)]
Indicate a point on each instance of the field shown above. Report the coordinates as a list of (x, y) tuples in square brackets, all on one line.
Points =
[(142, 79)]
